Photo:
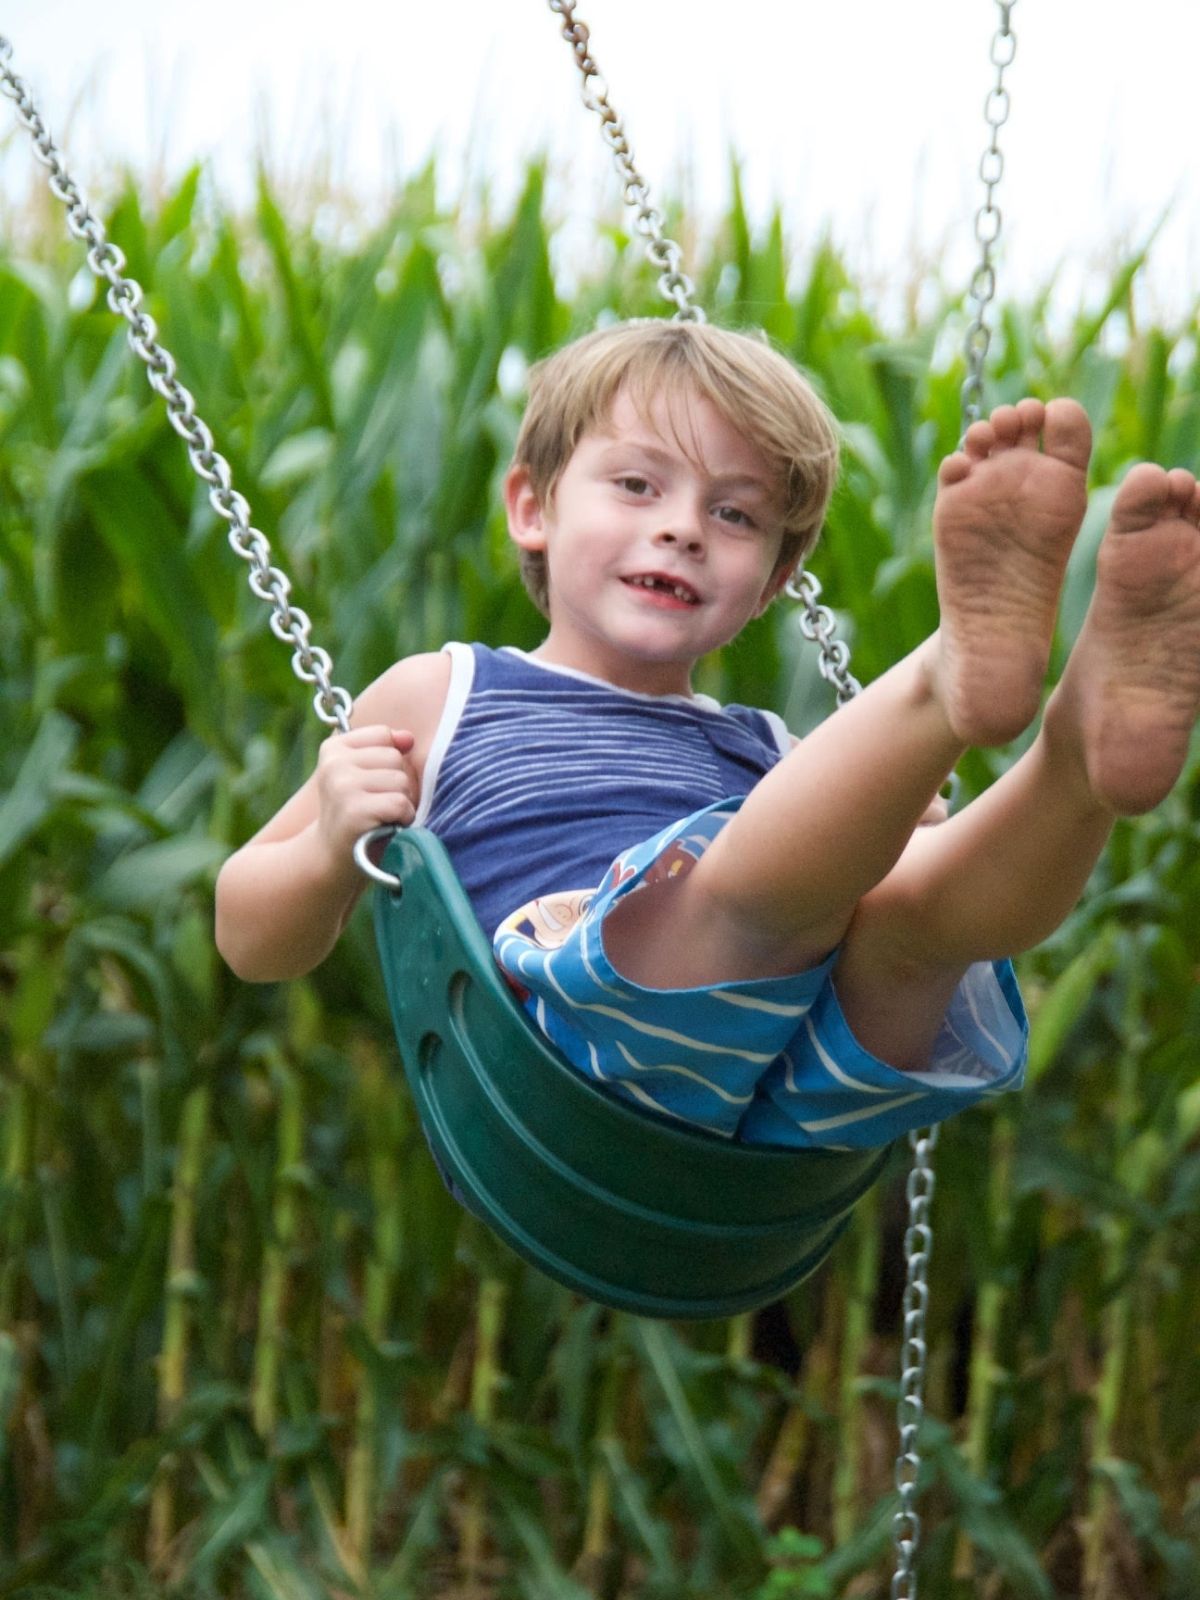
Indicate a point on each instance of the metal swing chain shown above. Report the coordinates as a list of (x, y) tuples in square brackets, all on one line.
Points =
[(988, 218), (910, 1410), (817, 622), (818, 625), (918, 1238), (289, 623), (664, 253)]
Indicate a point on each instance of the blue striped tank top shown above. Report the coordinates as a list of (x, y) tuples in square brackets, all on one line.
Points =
[(538, 776)]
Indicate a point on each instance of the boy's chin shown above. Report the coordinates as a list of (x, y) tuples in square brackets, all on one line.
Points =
[(684, 656)]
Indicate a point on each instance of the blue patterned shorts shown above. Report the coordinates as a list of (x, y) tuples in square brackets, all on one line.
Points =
[(767, 1061)]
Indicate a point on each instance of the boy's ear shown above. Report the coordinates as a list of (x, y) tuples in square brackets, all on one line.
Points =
[(525, 522), (774, 585)]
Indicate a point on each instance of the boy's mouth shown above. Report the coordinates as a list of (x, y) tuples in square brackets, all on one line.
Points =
[(662, 585)]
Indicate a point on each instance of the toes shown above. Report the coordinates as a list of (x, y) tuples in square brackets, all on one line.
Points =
[(1067, 433), (978, 441), (1141, 499), (1033, 419), (1182, 489), (1006, 424), (953, 469)]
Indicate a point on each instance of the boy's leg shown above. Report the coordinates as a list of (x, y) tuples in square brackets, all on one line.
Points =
[(778, 887), (1001, 876)]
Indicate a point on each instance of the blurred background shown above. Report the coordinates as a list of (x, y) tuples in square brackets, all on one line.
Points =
[(248, 1345), (865, 120)]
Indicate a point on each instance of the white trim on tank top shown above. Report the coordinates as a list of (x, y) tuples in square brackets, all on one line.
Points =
[(462, 678), (702, 702)]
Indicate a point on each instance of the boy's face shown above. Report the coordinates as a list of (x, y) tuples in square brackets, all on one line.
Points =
[(661, 542)]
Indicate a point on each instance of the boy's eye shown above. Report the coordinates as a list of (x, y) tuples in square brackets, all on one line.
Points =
[(736, 517), (634, 485)]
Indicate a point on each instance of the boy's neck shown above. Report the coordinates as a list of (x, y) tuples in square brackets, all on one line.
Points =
[(615, 667)]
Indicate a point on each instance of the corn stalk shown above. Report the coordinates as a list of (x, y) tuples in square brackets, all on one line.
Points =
[(183, 1286)]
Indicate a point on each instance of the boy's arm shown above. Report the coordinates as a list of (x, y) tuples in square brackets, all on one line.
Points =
[(285, 896)]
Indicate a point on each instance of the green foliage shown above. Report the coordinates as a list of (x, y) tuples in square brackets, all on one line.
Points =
[(248, 1346)]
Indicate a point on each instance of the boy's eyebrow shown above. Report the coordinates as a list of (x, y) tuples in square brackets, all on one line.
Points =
[(731, 480)]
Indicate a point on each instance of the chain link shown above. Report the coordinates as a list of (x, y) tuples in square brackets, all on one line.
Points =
[(988, 219), (817, 624), (289, 623), (918, 1239), (918, 1244), (663, 253)]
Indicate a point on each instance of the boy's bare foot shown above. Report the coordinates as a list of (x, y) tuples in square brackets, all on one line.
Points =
[(1132, 684), (1008, 509)]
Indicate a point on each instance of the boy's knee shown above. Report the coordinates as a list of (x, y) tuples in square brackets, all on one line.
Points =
[(680, 934), (759, 936)]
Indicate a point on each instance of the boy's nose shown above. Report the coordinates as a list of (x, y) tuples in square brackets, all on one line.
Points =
[(683, 531), (691, 542)]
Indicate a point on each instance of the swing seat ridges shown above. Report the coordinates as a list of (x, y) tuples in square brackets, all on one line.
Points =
[(619, 1204)]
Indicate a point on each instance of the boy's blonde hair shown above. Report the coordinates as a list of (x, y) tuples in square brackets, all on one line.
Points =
[(758, 392)]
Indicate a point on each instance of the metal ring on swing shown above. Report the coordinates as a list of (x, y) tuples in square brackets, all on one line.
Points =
[(365, 863)]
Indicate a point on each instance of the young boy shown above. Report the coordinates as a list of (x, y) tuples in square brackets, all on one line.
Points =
[(747, 932)]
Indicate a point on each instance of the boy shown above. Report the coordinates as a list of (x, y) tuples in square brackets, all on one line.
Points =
[(750, 933)]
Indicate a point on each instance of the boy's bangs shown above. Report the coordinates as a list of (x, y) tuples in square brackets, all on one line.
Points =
[(677, 373)]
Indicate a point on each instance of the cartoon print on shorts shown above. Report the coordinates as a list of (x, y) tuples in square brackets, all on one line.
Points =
[(547, 922), (677, 860), (620, 872)]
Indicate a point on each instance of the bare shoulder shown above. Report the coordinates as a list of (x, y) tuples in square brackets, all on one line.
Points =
[(411, 695)]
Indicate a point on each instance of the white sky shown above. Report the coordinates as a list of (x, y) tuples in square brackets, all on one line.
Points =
[(864, 114)]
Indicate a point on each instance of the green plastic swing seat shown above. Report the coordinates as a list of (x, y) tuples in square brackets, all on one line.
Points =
[(617, 1203)]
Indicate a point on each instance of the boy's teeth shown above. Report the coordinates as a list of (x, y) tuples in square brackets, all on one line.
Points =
[(676, 589)]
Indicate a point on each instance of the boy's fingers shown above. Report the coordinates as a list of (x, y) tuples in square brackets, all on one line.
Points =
[(391, 781), (374, 734), (375, 756), (368, 744), (370, 733)]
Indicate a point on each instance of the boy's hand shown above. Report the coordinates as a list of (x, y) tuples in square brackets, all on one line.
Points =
[(365, 779)]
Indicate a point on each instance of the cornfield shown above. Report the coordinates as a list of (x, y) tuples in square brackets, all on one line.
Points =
[(248, 1345)]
